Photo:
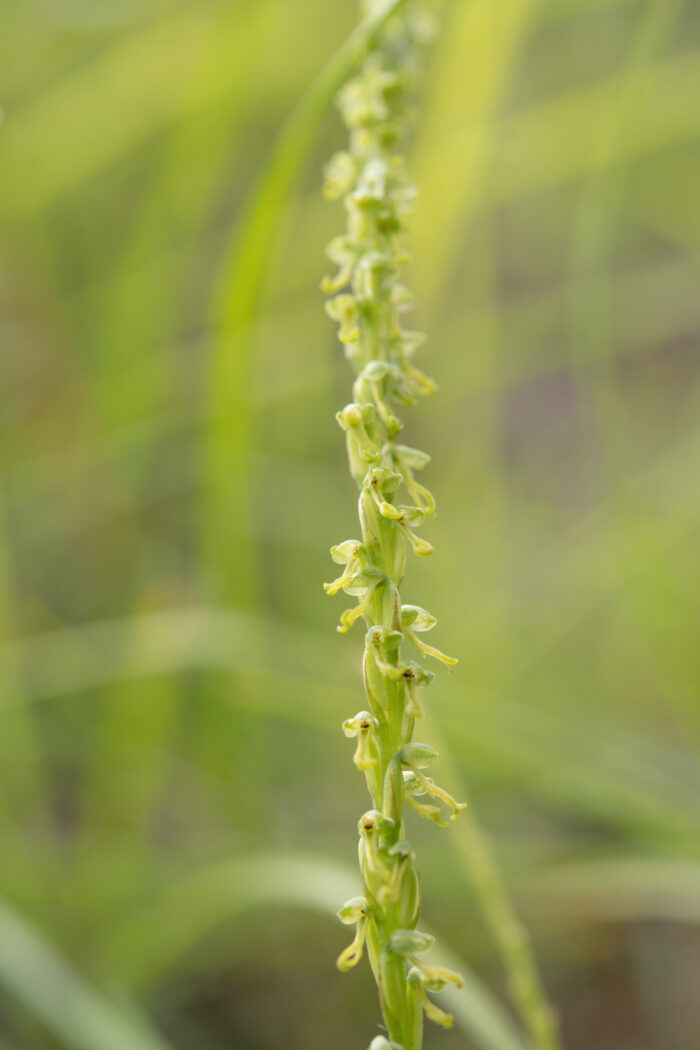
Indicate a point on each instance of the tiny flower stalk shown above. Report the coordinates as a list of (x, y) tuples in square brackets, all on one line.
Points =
[(368, 301)]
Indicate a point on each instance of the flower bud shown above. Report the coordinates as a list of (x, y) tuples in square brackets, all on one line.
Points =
[(362, 579), (350, 416), (340, 173), (343, 309), (416, 618), (412, 784), (374, 868), (383, 638), (383, 645), (361, 103), (373, 177), (417, 674), (401, 849), (370, 822), (415, 754), (409, 942), (413, 676), (383, 478), (363, 721), (411, 457), (343, 552), (353, 910), (375, 371), (413, 516)]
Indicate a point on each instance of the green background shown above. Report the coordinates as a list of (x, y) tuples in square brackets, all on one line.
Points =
[(178, 804)]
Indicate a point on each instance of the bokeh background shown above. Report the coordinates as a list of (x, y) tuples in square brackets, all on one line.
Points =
[(178, 805)]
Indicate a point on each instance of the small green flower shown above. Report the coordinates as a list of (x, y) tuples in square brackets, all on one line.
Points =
[(353, 912), (363, 726)]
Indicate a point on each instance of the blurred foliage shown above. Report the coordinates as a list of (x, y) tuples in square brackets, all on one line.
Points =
[(172, 688)]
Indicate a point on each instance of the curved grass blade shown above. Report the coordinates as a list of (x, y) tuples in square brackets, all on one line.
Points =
[(35, 974), (147, 944), (557, 763), (134, 379), (229, 568), (510, 935), (620, 889), (54, 143)]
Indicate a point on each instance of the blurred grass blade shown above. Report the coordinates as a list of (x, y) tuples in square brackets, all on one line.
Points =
[(72, 659), (592, 328), (548, 143), (23, 775), (620, 889), (486, 39), (510, 935), (146, 945), (565, 765), (477, 1013), (230, 568), (54, 143), (33, 972), (134, 375), (136, 721)]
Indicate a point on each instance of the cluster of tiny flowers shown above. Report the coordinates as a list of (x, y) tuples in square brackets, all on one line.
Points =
[(368, 301)]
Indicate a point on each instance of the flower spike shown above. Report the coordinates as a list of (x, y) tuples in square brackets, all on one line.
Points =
[(368, 301)]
